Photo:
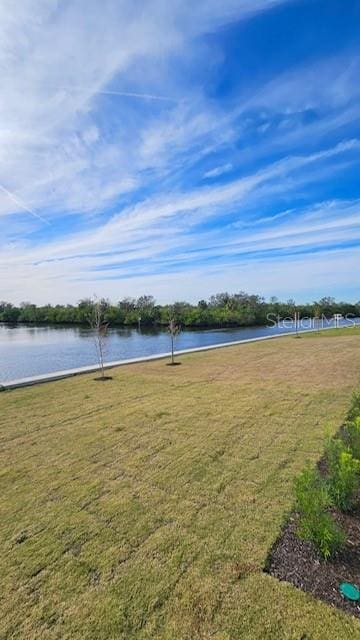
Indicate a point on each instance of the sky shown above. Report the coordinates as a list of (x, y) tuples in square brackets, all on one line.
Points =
[(179, 149)]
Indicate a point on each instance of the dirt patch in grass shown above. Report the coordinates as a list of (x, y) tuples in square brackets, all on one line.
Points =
[(297, 562)]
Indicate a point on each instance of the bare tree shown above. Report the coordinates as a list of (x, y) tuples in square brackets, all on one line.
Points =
[(317, 313), (99, 328), (174, 330), (297, 322)]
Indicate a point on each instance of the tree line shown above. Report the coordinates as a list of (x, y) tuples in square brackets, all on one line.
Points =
[(220, 310)]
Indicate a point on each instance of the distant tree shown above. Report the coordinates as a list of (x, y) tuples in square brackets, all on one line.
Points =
[(327, 306), (220, 300), (145, 302), (84, 310), (128, 304), (146, 310), (221, 310), (28, 312), (8, 312)]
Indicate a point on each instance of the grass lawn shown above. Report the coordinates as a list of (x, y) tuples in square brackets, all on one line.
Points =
[(144, 507), (341, 331)]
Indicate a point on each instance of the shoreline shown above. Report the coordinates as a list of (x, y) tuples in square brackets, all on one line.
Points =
[(68, 373)]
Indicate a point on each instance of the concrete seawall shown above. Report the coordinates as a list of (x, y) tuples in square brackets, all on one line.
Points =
[(60, 375)]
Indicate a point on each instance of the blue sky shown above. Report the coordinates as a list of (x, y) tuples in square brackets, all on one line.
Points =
[(179, 149)]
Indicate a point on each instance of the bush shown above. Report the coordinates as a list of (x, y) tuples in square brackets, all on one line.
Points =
[(355, 407), (352, 437), (327, 536), (343, 475), (333, 449), (316, 524), (311, 493)]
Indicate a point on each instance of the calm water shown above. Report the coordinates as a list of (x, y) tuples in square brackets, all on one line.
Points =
[(28, 350)]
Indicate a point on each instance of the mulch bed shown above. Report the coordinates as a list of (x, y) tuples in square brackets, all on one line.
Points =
[(298, 562)]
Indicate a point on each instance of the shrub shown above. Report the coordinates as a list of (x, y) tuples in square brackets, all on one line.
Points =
[(316, 524), (355, 407), (327, 536), (334, 447), (352, 437), (311, 493), (343, 475)]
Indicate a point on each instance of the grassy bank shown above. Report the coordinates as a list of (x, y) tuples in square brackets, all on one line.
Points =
[(144, 507), (336, 333)]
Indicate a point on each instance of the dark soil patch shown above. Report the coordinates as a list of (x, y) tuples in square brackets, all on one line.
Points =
[(298, 562)]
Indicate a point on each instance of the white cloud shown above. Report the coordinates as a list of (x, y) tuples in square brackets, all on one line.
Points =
[(218, 171), (57, 61), (182, 209), (328, 83), (19, 203), (154, 237), (91, 118)]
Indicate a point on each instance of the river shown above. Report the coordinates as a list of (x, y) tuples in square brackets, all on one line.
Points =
[(34, 350)]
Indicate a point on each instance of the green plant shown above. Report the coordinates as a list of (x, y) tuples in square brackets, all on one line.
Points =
[(327, 535), (343, 475), (311, 493), (333, 448), (352, 437), (316, 524), (355, 407)]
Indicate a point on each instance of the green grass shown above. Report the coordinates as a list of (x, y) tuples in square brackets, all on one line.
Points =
[(145, 507), (341, 331)]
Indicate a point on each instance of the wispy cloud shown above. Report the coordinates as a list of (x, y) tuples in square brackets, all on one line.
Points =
[(19, 203), (118, 127), (158, 238), (121, 94), (57, 63), (218, 171)]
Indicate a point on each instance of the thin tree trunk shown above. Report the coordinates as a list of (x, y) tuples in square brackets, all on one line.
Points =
[(101, 358)]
